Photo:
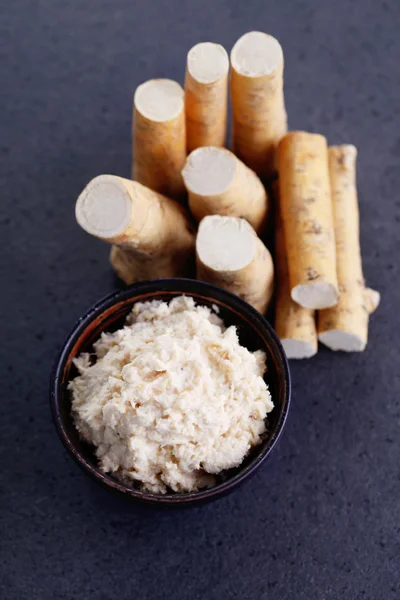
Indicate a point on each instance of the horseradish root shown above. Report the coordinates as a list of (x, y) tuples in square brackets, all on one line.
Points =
[(151, 233), (294, 324), (345, 327), (159, 137), (229, 254), (206, 95), (258, 107), (306, 210), (219, 183)]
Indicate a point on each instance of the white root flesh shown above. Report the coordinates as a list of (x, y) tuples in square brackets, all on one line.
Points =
[(230, 254), (219, 183), (151, 234)]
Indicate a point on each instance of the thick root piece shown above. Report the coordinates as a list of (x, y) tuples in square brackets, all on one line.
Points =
[(159, 137), (152, 234), (206, 95), (131, 266), (294, 324), (306, 210), (230, 254), (258, 107), (219, 183), (345, 327)]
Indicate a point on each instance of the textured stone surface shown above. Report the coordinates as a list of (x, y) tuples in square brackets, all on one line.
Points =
[(321, 520)]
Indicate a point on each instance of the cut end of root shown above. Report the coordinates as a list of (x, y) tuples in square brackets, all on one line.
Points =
[(159, 99), (207, 62), (315, 295), (345, 155), (256, 54), (225, 243), (297, 349), (209, 171), (372, 299), (104, 207), (336, 339)]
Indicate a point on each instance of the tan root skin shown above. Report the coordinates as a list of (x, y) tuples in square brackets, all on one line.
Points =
[(219, 183), (294, 325), (229, 254), (159, 137), (345, 327), (307, 216), (206, 95), (151, 234), (259, 118)]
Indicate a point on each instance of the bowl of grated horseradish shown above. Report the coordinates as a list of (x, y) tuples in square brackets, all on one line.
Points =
[(172, 392)]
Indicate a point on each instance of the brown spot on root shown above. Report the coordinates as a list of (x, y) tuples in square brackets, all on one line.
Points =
[(329, 324), (312, 274), (310, 155), (313, 227)]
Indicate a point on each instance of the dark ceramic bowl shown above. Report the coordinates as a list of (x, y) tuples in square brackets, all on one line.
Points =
[(109, 314)]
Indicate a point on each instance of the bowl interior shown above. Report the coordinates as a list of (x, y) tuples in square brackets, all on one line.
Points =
[(109, 314)]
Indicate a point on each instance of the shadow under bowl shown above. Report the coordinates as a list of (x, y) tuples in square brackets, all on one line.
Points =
[(109, 314)]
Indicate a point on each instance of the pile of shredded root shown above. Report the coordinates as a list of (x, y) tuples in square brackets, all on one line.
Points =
[(172, 398)]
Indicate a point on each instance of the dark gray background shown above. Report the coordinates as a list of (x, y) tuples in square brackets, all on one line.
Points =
[(321, 519)]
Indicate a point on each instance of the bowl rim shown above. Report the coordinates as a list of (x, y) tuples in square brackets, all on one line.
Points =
[(233, 303)]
